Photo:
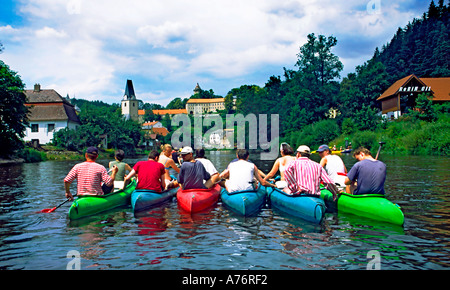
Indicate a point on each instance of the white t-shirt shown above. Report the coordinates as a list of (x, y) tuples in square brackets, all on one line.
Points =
[(209, 166), (334, 166), (241, 176)]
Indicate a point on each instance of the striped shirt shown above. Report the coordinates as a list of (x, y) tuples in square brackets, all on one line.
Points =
[(90, 176), (304, 176)]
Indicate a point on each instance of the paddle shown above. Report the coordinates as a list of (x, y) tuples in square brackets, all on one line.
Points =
[(379, 149), (47, 210)]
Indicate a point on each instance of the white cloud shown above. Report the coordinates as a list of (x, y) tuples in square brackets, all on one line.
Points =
[(48, 32), (89, 48)]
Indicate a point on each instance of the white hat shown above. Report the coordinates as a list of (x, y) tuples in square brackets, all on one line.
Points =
[(186, 150), (304, 149)]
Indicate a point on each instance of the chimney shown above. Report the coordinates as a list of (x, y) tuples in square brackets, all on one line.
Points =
[(37, 88)]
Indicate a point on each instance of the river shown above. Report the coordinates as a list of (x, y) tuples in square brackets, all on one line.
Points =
[(167, 238)]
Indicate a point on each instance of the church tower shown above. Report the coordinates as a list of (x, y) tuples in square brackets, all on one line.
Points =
[(130, 105), (197, 89)]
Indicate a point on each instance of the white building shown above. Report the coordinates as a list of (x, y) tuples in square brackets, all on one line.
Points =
[(49, 112)]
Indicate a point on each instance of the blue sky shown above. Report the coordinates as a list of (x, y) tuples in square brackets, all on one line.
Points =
[(89, 48)]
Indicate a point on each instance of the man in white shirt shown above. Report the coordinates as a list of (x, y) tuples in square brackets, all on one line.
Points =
[(209, 166), (240, 174), (333, 164)]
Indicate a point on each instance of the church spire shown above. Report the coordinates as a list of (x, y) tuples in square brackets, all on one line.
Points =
[(129, 91)]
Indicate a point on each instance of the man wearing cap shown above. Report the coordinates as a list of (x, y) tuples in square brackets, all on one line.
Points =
[(90, 176), (192, 173), (333, 164), (303, 176)]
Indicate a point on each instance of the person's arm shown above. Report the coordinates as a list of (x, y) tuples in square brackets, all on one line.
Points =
[(128, 167), (225, 174), (109, 180), (163, 181), (172, 164), (128, 177), (323, 162), (67, 188), (71, 176), (274, 170), (262, 180)]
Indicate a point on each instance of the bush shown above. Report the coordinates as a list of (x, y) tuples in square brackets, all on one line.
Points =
[(32, 155), (367, 139)]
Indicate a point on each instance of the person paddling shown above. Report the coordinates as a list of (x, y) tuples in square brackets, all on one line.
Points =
[(90, 176), (280, 164), (192, 172), (366, 176), (151, 173), (303, 176), (333, 164), (241, 174)]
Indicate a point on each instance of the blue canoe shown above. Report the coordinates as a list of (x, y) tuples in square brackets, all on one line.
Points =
[(246, 202), (307, 207), (142, 199)]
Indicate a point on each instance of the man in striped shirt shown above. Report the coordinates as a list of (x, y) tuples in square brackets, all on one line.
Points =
[(303, 176), (90, 176)]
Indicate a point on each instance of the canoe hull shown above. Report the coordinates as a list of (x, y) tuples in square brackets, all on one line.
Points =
[(309, 208), (90, 205), (246, 202), (142, 199), (373, 206), (195, 200)]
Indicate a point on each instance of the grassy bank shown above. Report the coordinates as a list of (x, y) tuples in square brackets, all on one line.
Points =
[(404, 137)]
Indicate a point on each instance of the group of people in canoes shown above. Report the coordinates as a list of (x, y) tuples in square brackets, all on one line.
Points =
[(298, 174)]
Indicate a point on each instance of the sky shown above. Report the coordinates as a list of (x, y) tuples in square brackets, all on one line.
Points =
[(89, 48)]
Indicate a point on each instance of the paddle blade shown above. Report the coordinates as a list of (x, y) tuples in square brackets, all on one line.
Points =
[(47, 210)]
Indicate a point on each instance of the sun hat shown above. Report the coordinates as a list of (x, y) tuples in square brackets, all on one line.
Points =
[(304, 149)]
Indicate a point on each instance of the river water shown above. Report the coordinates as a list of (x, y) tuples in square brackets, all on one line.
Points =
[(167, 238)]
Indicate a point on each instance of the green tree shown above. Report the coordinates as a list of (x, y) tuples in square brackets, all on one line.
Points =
[(317, 62), (13, 113), (424, 109)]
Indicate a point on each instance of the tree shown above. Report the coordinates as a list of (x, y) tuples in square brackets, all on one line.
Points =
[(317, 61), (13, 113), (424, 109)]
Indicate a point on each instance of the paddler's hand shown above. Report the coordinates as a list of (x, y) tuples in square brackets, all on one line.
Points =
[(115, 169), (69, 196)]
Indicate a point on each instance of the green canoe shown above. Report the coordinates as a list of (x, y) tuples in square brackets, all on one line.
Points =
[(90, 205), (373, 206)]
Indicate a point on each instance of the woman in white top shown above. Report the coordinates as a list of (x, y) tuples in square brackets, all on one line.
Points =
[(281, 163), (240, 173), (333, 164)]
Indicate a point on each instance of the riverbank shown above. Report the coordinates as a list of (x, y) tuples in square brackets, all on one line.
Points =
[(404, 137)]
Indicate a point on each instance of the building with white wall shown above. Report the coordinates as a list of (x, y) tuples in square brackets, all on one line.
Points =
[(49, 112)]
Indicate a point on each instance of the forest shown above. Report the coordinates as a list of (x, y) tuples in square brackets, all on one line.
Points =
[(306, 98)]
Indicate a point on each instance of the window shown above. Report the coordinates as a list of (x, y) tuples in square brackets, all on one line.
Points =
[(50, 128), (34, 128)]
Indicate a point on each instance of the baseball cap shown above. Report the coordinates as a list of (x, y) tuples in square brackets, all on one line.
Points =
[(323, 148), (303, 149), (92, 150), (186, 150)]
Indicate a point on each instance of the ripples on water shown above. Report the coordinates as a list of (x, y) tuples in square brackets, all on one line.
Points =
[(167, 238)]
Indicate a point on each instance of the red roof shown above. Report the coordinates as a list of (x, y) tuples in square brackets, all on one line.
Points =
[(440, 87)]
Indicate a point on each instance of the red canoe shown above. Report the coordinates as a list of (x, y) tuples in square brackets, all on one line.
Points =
[(194, 200)]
